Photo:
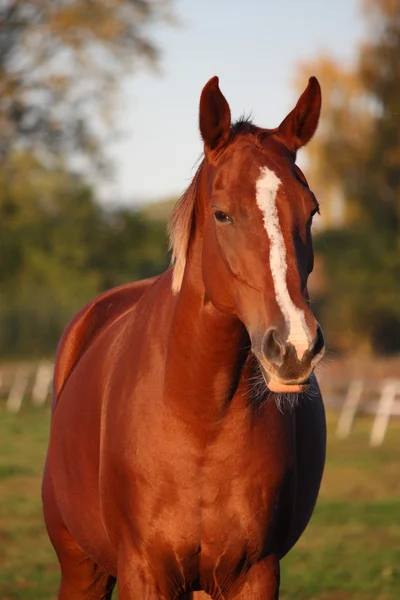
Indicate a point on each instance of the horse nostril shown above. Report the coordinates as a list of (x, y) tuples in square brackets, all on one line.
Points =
[(318, 343), (273, 348)]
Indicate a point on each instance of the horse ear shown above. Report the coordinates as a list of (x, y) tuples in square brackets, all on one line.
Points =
[(214, 116), (300, 125)]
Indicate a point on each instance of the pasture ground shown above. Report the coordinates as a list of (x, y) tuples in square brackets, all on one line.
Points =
[(350, 551)]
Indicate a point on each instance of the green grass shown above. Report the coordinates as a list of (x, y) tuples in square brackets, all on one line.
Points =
[(351, 549), (29, 567), (348, 551)]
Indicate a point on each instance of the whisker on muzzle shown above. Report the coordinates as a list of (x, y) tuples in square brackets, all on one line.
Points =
[(259, 393)]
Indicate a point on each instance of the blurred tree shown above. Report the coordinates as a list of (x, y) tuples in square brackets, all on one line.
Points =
[(356, 156), (128, 247), (60, 64), (339, 150), (59, 249), (379, 68)]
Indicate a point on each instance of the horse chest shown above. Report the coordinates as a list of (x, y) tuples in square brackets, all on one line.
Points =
[(242, 482), (214, 510)]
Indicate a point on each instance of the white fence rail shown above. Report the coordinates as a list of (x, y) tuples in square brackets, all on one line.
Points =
[(379, 398), (33, 383), (26, 382)]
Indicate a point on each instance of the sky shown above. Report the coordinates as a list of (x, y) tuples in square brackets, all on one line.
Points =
[(254, 46)]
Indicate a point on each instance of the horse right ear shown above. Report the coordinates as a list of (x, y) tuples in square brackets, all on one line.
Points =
[(300, 125), (214, 117)]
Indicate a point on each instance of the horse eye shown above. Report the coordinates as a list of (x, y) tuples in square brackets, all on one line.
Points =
[(222, 217)]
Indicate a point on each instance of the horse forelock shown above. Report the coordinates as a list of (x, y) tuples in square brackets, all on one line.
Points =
[(181, 219)]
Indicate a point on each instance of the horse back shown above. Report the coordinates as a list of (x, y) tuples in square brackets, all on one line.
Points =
[(89, 322)]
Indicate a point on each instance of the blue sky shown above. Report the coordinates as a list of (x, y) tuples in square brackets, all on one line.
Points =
[(254, 47)]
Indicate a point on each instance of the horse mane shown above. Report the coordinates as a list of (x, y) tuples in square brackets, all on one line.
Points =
[(179, 229), (181, 219)]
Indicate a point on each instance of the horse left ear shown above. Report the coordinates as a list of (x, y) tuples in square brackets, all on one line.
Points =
[(300, 125), (214, 116)]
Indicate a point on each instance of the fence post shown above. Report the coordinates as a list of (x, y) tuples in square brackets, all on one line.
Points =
[(41, 386), (390, 389), (349, 408), (18, 389)]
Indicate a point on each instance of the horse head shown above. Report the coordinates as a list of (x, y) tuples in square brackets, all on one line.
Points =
[(255, 210)]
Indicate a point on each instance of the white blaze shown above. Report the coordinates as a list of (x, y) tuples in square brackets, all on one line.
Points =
[(266, 189)]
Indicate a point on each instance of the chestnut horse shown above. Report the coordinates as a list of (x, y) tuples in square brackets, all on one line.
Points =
[(188, 432)]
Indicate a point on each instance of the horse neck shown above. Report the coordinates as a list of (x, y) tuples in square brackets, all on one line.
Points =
[(206, 348)]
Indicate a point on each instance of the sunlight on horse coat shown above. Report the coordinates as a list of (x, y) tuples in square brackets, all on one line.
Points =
[(188, 432)]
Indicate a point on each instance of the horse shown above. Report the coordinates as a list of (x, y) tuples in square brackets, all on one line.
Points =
[(188, 435)]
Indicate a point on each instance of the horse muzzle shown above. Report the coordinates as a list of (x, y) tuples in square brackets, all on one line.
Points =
[(282, 369)]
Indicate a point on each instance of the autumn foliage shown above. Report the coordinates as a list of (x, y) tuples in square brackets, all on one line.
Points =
[(354, 168)]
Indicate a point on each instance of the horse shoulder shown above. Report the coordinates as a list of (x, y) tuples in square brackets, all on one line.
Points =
[(87, 324)]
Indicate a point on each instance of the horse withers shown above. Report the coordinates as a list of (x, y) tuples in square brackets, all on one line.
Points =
[(188, 432)]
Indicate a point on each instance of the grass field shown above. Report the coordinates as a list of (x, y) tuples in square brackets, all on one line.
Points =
[(351, 549)]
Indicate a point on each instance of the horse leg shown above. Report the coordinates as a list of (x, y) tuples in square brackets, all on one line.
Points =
[(81, 578), (135, 580), (137, 586), (262, 581)]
